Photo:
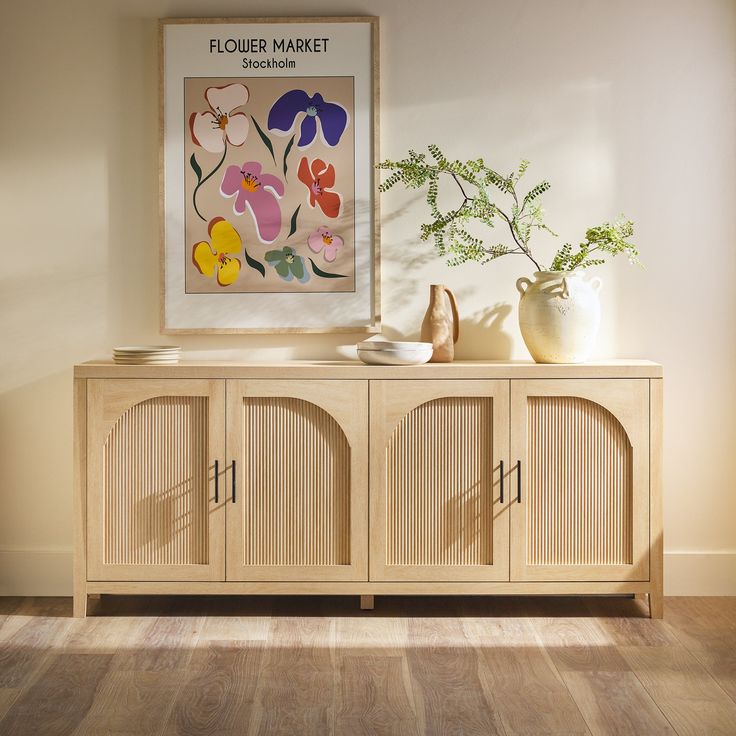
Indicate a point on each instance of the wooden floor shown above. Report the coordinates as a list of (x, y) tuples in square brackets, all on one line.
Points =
[(299, 666)]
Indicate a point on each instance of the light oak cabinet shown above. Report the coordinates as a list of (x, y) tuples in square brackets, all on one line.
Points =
[(436, 509), (151, 450), (581, 499), (467, 478), (302, 469), (186, 485)]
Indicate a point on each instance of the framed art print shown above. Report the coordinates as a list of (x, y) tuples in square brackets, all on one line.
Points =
[(268, 188)]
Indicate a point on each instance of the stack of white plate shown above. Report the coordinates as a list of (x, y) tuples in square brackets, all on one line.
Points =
[(147, 354), (378, 351)]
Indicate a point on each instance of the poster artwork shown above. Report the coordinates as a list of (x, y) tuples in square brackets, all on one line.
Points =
[(269, 185)]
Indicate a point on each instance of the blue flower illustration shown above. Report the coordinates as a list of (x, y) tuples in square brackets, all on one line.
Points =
[(333, 118), (288, 264)]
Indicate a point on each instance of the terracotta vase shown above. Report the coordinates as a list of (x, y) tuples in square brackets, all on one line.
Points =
[(441, 325)]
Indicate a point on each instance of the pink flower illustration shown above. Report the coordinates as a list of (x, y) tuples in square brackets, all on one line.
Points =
[(257, 192), (218, 125), (326, 241)]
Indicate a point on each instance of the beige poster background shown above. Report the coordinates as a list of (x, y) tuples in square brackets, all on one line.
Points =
[(263, 92)]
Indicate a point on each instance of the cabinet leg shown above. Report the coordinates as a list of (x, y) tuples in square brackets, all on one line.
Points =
[(641, 597), (366, 603), (80, 604), (656, 604)]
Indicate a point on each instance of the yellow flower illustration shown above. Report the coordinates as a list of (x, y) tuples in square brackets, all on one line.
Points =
[(218, 258)]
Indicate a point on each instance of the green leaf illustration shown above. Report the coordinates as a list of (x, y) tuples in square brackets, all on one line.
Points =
[(286, 153), (292, 229), (257, 265), (264, 138), (197, 168), (324, 274)]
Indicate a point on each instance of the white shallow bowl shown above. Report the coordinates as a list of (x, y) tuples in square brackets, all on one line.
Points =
[(147, 349), (145, 362), (408, 354)]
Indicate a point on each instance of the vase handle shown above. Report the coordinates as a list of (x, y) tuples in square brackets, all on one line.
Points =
[(596, 282), (519, 282), (565, 290), (455, 318)]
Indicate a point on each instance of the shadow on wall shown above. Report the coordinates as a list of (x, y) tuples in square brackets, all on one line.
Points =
[(482, 336)]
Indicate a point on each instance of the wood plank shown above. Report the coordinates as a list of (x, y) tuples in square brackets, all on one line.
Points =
[(165, 644), (608, 694), (131, 703), (218, 695), (576, 644), (373, 698), (382, 632), (101, 634), (615, 703), (146, 676), (235, 624), (24, 652), (61, 696), (374, 693), (295, 693), (683, 690), (525, 686), (706, 627), (626, 621), (448, 693), (8, 695)]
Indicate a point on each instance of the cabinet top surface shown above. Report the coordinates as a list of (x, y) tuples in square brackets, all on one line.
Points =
[(353, 369)]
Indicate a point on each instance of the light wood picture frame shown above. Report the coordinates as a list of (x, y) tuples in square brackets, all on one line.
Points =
[(268, 190)]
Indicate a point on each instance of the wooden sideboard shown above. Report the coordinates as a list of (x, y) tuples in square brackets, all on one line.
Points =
[(341, 478)]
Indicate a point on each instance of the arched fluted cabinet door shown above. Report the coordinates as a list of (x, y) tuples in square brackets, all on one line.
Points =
[(151, 452), (582, 511), (299, 511), (437, 512)]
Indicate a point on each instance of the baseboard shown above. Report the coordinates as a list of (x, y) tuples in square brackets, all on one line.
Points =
[(700, 573), (36, 572), (42, 572)]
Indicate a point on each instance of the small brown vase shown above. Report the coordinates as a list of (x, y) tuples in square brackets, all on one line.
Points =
[(441, 325)]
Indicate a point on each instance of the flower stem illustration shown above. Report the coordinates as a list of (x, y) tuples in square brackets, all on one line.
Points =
[(198, 171)]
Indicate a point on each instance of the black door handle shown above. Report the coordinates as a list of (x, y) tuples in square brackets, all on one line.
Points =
[(217, 482), (501, 470), (233, 481), (518, 481)]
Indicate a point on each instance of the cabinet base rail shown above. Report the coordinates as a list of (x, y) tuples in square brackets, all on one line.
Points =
[(367, 590)]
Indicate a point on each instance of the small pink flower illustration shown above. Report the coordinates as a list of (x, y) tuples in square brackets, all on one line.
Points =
[(219, 125), (259, 194), (326, 241)]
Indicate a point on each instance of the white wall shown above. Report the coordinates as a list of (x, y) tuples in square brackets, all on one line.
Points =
[(625, 106)]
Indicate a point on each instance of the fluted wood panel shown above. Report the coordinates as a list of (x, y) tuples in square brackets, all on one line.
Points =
[(155, 475), (579, 484), (297, 484), (439, 484)]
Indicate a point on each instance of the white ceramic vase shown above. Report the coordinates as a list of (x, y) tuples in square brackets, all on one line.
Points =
[(559, 314)]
